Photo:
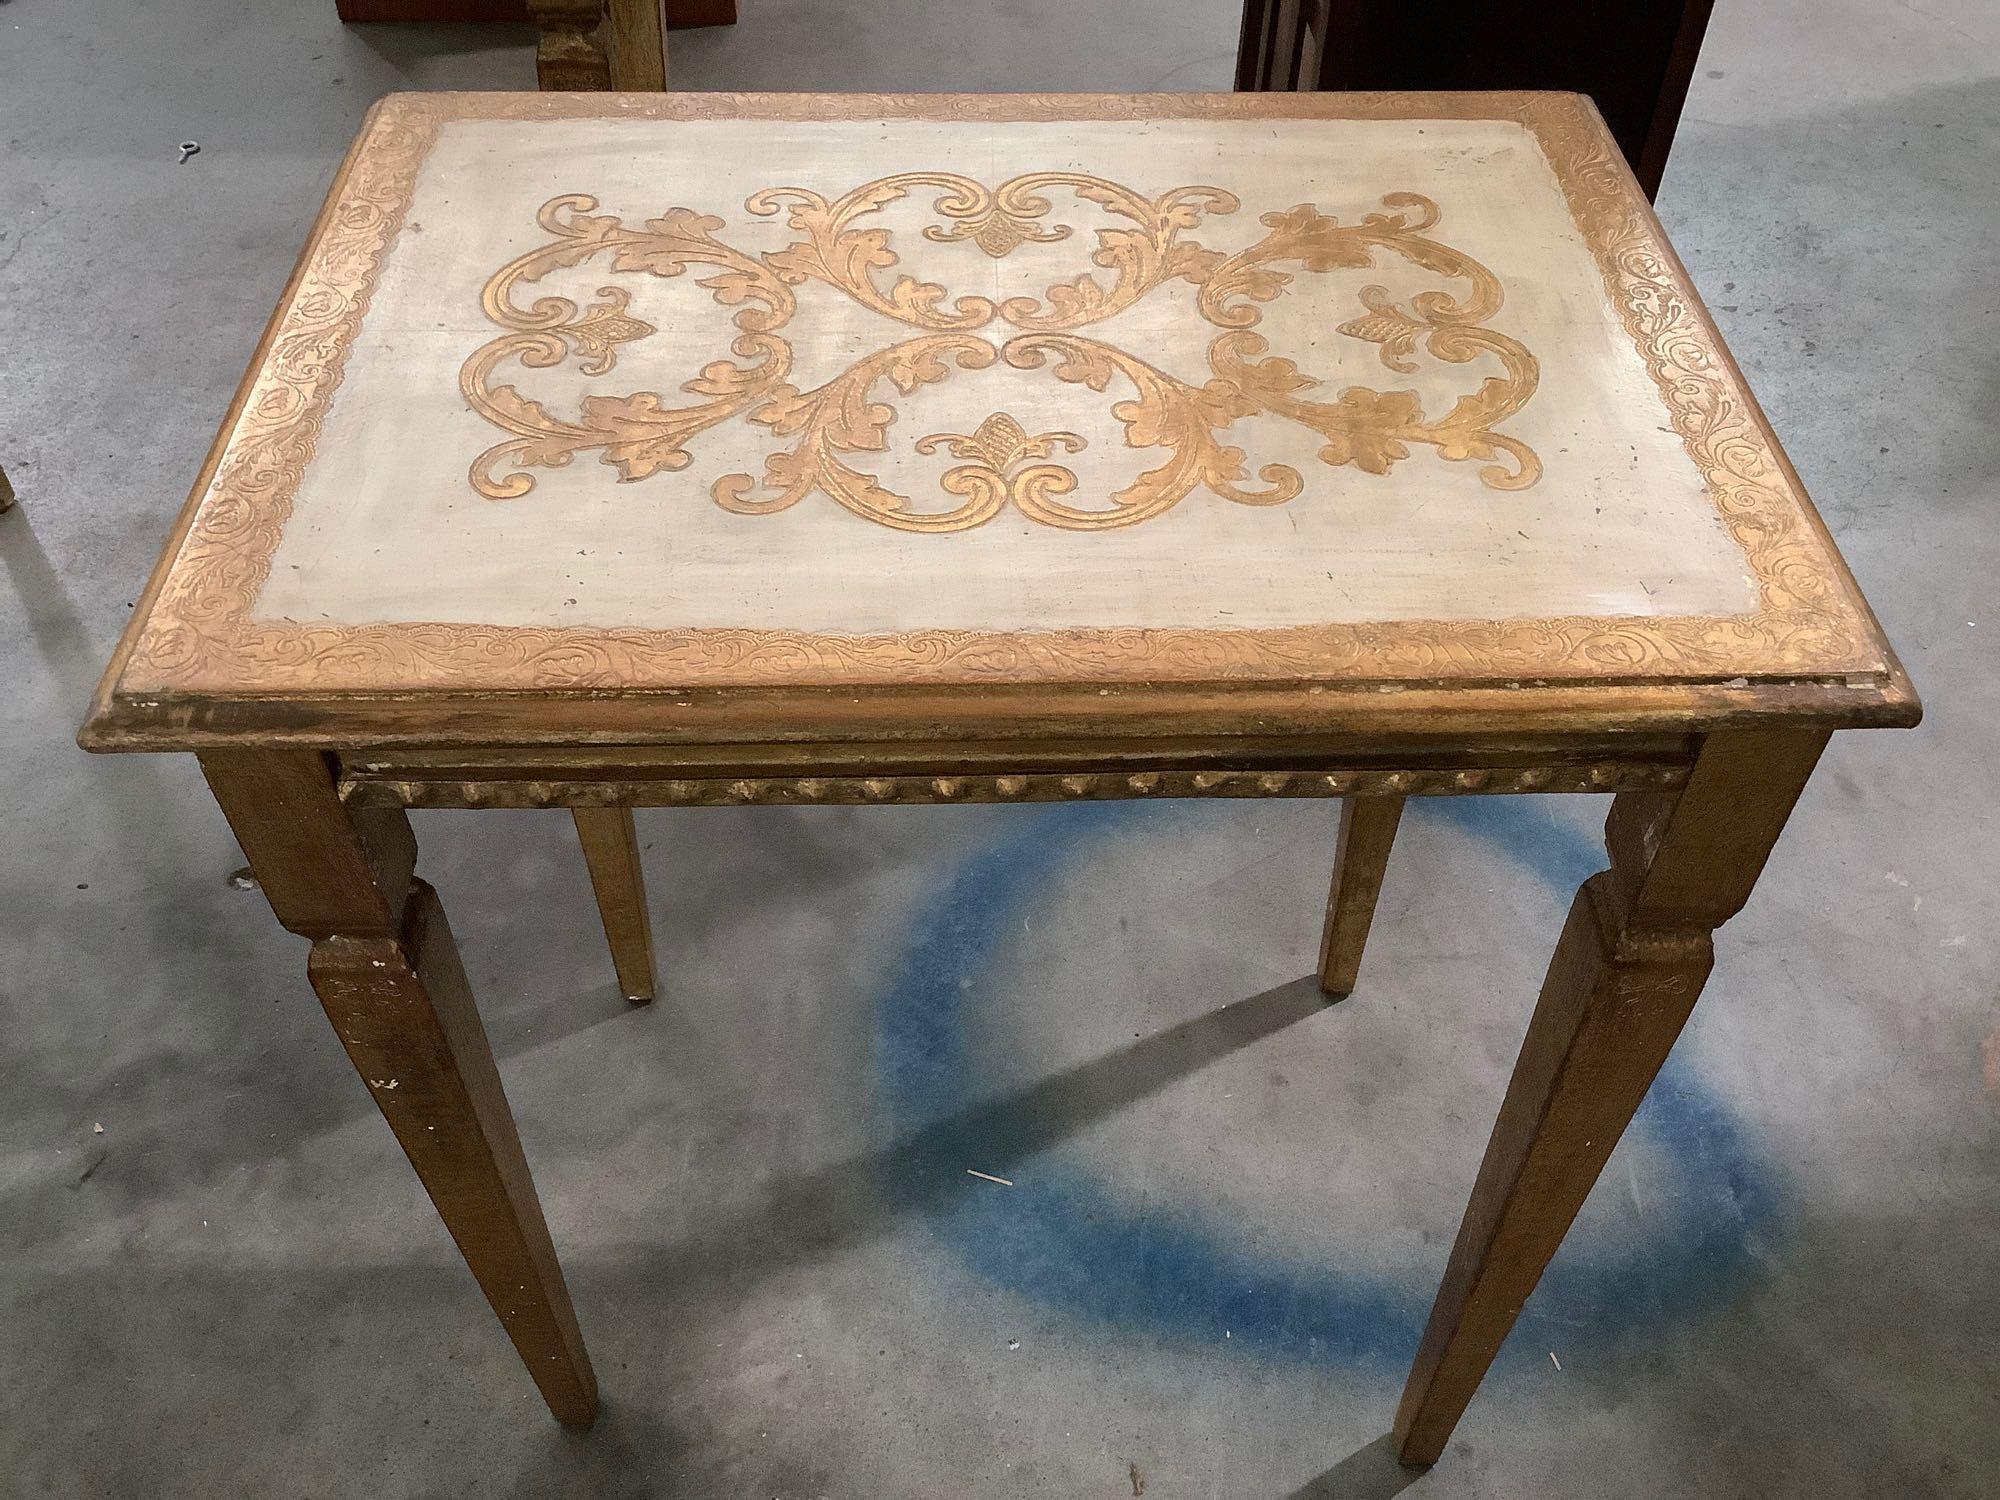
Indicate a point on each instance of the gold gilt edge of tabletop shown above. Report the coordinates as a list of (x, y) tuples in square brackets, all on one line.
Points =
[(195, 667)]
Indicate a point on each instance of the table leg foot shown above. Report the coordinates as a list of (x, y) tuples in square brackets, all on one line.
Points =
[(611, 850), (1360, 860)]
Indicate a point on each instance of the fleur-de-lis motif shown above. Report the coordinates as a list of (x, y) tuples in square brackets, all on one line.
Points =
[(1000, 466), (999, 232), (999, 442)]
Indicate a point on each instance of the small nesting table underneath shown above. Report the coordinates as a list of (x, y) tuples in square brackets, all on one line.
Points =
[(629, 451)]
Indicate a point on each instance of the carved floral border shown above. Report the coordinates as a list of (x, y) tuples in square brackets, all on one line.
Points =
[(200, 637)]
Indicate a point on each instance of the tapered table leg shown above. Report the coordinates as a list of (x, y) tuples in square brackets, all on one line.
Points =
[(1631, 961), (1360, 860), (386, 970), (611, 850)]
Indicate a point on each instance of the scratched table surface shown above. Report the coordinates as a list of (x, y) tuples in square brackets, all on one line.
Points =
[(792, 391)]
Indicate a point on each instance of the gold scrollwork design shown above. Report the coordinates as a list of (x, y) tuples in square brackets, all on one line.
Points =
[(637, 434), (1164, 413), (1140, 259), (640, 434), (999, 222), (1367, 428), (997, 465), (839, 417), (847, 258)]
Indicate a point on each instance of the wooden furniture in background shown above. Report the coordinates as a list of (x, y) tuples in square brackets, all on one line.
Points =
[(1635, 59), (682, 15), (593, 45), (586, 45), (442, 12), (691, 15), (1554, 548)]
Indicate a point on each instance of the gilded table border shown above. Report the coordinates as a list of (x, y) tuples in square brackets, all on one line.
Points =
[(200, 638)]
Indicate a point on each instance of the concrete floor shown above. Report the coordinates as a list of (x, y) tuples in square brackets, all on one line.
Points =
[(1231, 1204)]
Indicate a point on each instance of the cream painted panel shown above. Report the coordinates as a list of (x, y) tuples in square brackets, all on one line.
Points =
[(387, 527)]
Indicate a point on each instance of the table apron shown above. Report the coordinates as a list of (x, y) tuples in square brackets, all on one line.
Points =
[(720, 776)]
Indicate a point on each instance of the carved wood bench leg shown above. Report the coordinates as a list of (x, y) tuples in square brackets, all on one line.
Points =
[(387, 972), (1360, 860), (638, 45), (570, 56), (1631, 961), (611, 850), (589, 45)]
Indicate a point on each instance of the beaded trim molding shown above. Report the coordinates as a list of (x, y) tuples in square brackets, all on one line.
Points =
[(763, 791)]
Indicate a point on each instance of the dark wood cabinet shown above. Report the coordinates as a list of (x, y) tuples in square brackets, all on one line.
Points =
[(1633, 57)]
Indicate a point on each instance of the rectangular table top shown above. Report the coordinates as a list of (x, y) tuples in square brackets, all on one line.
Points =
[(671, 398)]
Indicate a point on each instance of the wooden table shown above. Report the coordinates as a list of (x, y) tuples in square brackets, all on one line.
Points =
[(616, 451)]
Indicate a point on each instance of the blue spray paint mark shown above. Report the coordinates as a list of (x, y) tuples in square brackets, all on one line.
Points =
[(1059, 1237)]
